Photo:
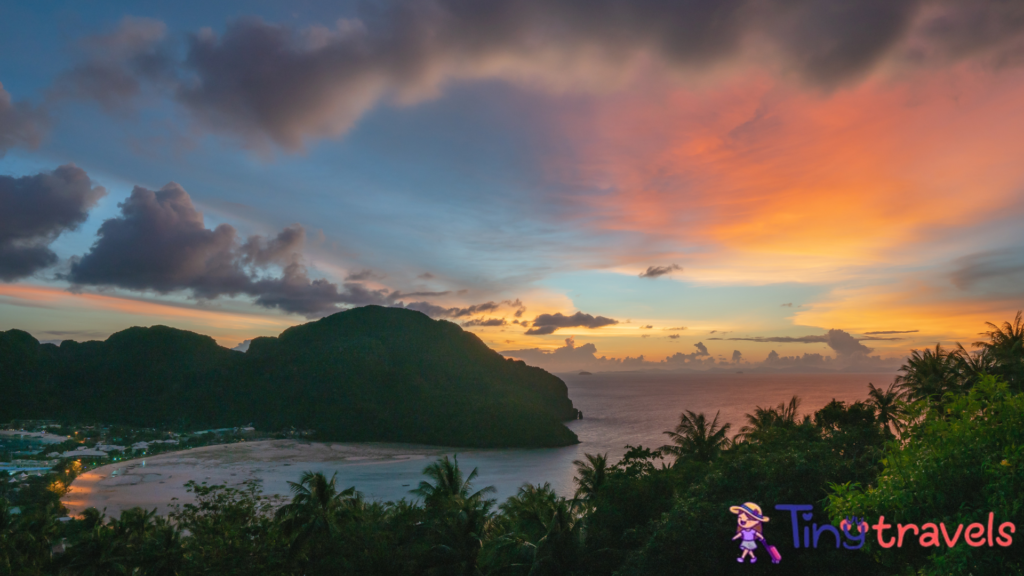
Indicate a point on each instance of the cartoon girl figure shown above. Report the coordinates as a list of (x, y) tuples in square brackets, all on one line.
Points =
[(748, 529)]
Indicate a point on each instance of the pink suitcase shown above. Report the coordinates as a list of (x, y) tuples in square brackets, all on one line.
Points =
[(772, 551)]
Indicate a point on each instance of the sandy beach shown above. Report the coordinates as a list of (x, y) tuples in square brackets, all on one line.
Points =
[(156, 481)]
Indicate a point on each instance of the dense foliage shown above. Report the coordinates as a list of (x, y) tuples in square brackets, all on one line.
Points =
[(961, 461), (371, 373)]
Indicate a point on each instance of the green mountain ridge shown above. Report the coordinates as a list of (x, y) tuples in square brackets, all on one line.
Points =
[(366, 374)]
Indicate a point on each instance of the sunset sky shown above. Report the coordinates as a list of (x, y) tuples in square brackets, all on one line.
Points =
[(605, 177)]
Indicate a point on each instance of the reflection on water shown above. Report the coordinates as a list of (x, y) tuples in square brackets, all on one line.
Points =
[(618, 409)]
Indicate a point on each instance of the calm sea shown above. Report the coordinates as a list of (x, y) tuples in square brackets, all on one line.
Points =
[(621, 409)]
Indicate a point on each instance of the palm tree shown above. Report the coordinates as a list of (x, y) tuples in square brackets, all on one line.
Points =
[(928, 375), (763, 419), (788, 412), (460, 535), (91, 517), (696, 439), (544, 535), (561, 547), (164, 553), (448, 484), (8, 535), (887, 406), (971, 366), (134, 526), (1006, 346), (459, 517), (312, 512), (530, 510), (100, 552), (25, 540), (592, 473)]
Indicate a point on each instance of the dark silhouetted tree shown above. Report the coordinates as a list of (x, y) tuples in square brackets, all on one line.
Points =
[(696, 438)]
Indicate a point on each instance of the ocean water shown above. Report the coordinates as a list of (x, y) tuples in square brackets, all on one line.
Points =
[(618, 409)]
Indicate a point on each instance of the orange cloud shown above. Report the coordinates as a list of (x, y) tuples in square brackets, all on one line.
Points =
[(771, 183)]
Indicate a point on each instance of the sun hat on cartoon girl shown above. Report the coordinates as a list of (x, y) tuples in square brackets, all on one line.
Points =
[(748, 528), (750, 509)]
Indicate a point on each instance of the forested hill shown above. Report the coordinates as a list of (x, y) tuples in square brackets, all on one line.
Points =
[(367, 374)]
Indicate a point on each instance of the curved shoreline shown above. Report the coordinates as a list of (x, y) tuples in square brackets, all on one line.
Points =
[(159, 481)]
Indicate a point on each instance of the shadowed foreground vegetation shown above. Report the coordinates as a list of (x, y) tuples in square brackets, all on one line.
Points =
[(944, 443)]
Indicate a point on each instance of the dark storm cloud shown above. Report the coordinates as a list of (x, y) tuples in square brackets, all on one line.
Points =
[(673, 336), (58, 336), (843, 343), (485, 323), (294, 292), (548, 323), (655, 271), (161, 243), (20, 123), (396, 295), (282, 249), (698, 358), (432, 310), (562, 357), (964, 29), (737, 356), (268, 82), (839, 340), (996, 269), (115, 65), (21, 261), (891, 332), (363, 275), (831, 41), (474, 309), (34, 210), (435, 311)]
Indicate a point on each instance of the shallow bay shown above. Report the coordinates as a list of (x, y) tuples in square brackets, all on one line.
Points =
[(618, 409)]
